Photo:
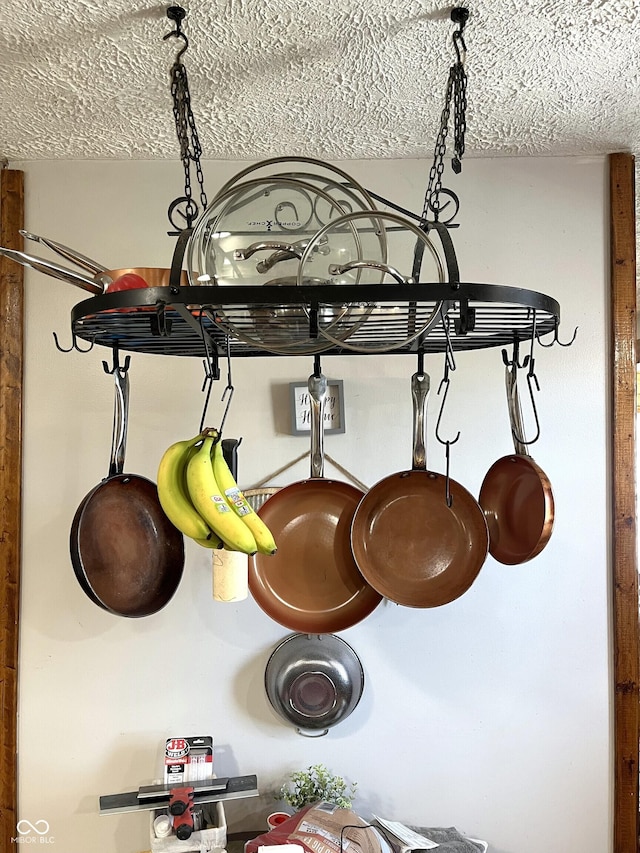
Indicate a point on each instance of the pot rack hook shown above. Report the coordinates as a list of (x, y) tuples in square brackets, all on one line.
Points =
[(177, 14), (450, 360), (460, 16), (116, 366), (74, 344), (555, 339), (228, 391), (445, 381), (211, 370), (317, 370), (515, 358)]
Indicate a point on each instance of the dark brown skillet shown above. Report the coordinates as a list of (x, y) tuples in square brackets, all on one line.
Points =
[(126, 554), (408, 542), (516, 494), (312, 584)]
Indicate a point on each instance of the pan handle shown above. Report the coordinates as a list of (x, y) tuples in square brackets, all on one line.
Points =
[(49, 268), (515, 409), (420, 384), (65, 252), (317, 394), (340, 269), (120, 421), (312, 732)]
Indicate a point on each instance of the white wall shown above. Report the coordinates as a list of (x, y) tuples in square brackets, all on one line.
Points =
[(492, 713)]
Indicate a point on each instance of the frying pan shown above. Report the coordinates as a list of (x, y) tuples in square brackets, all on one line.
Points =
[(127, 556), (154, 276), (516, 494), (411, 544), (312, 584), (72, 255)]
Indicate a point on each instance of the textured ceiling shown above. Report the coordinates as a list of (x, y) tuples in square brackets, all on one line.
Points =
[(334, 79), (330, 79)]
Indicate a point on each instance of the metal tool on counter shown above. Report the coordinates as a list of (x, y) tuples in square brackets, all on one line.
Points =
[(181, 800)]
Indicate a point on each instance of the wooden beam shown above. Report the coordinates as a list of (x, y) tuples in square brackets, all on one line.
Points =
[(625, 569), (11, 359)]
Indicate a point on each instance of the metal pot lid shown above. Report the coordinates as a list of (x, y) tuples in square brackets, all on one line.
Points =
[(410, 258), (314, 681), (255, 233), (344, 187)]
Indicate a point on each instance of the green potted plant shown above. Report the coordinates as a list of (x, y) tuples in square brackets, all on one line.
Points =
[(316, 784)]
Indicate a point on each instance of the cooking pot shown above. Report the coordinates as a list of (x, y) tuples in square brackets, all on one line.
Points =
[(314, 681)]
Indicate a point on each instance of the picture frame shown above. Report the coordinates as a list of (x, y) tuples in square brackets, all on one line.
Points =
[(334, 421)]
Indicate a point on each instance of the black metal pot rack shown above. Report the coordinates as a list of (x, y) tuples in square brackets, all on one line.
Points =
[(173, 320), (266, 320)]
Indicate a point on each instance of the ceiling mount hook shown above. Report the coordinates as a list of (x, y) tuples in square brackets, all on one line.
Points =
[(460, 16), (177, 14)]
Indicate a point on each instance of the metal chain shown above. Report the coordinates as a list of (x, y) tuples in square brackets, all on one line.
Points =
[(459, 114), (432, 196), (455, 92), (188, 140)]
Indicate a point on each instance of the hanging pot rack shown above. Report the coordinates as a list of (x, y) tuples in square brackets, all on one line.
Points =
[(308, 314), (435, 316), (171, 321)]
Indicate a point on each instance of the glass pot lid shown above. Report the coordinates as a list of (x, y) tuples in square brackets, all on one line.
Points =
[(255, 233), (410, 257)]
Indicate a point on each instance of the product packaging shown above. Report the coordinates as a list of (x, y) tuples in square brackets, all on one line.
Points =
[(188, 759)]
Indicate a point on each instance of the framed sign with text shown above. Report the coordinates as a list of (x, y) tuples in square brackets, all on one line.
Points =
[(301, 407)]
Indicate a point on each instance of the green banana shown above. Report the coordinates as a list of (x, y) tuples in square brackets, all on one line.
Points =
[(209, 501), (239, 504), (173, 495)]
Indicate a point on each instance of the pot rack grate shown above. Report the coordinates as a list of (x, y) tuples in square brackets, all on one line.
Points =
[(173, 321)]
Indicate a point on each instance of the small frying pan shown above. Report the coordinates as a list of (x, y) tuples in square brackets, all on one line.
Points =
[(516, 495), (412, 544), (312, 584), (127, 556)]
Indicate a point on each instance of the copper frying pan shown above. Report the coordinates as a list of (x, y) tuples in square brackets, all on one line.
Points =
[(127, 556), (409, 543), (99, 283), (312, 584), (516, 495)]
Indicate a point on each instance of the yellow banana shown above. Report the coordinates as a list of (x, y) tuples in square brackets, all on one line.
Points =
[(209, 501), (237, 501), (174, 497), (215, 542)]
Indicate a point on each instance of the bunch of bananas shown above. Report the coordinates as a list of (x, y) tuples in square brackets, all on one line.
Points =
[(199, 495)]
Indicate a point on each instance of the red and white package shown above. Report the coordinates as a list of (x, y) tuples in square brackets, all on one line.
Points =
[(323, 828), (188, 759)]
